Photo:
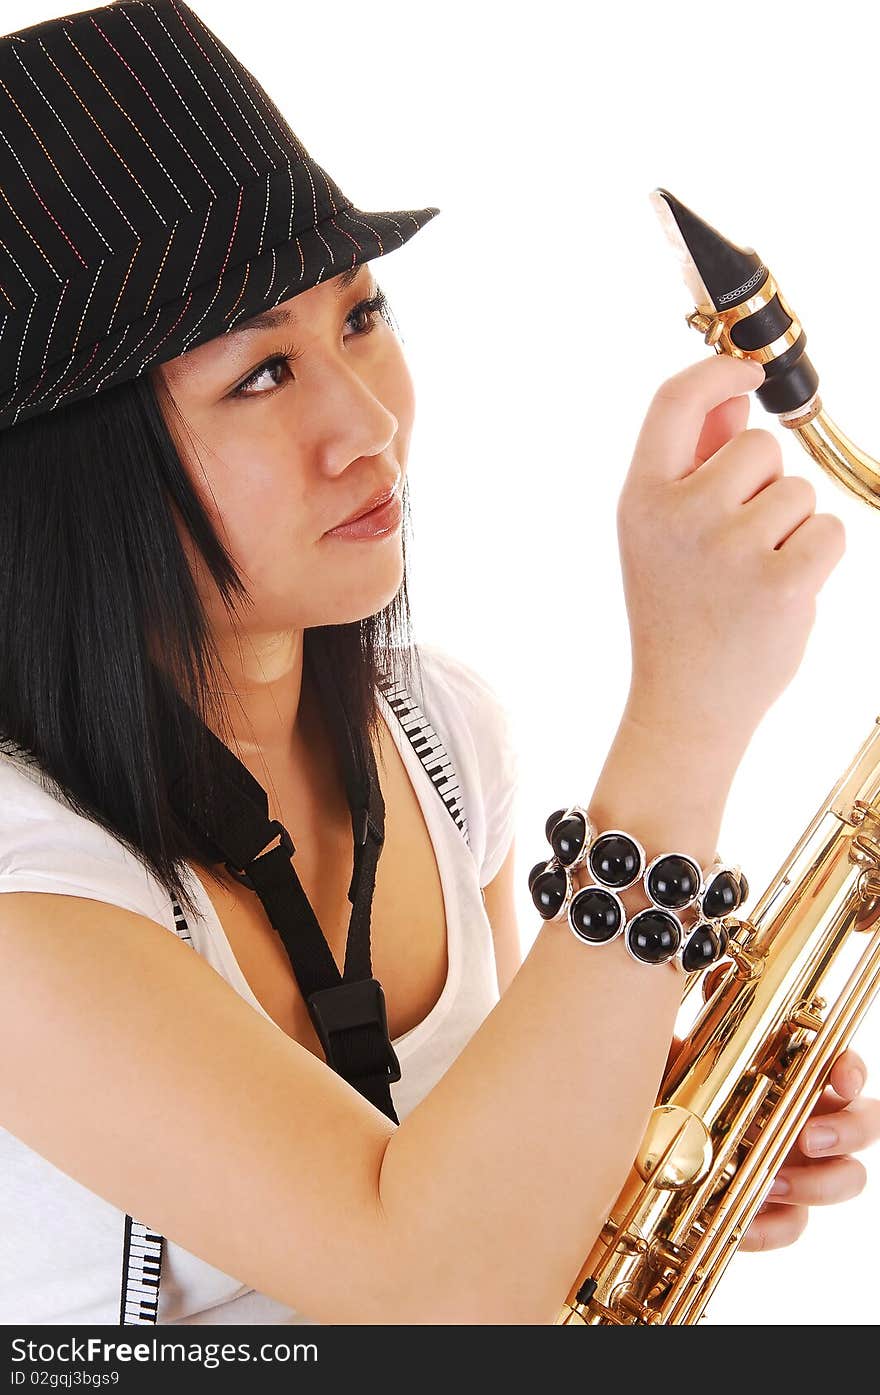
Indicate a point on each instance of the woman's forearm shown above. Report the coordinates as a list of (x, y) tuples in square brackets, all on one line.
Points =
[(495, 1187)]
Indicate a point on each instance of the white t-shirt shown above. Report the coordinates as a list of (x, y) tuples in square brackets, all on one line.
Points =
[(61, 1244)]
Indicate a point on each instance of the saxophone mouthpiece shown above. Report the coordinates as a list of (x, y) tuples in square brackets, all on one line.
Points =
[(739, 308), (726, 274)]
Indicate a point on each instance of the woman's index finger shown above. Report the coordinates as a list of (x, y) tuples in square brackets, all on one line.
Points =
[(674, 422)]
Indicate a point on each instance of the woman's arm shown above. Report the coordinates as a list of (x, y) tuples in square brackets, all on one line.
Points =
[(722, 557)]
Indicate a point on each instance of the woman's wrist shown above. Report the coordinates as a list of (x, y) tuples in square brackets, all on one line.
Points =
[(709, 731), (667, 781)]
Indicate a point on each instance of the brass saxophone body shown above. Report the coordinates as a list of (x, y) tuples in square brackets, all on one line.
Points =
[(804, 966)]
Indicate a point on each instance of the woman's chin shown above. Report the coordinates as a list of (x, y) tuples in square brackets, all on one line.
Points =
[(372, 593)]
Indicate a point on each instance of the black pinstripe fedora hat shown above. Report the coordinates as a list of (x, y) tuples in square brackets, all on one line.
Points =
[(152, 196)]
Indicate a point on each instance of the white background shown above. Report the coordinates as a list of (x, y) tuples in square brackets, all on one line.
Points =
[(541, 309)]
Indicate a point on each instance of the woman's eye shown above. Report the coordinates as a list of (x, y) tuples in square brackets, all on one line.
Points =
[(363, 315), (280, 360)]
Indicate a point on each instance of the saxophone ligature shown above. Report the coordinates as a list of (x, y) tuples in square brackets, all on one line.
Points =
[(803, 968)]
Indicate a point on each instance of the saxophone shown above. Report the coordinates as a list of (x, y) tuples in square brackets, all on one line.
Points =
[(760, 1049)]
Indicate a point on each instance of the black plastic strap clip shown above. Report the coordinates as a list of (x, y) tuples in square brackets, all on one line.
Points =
[(345, 1006)]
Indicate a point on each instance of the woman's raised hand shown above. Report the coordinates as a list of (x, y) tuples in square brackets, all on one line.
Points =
[(722, 555)]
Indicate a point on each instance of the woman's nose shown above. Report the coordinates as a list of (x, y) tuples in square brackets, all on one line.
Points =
[(351, 419)]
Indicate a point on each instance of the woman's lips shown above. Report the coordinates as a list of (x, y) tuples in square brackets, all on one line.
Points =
[(378, 523)]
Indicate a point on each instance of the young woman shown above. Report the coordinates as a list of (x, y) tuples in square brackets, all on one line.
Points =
[(190, 1090)]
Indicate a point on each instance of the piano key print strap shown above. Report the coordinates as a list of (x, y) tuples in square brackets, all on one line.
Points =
[(429, 748), (141, 1271), (143, 1248)]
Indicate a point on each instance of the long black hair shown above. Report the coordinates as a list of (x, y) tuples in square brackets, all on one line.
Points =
[(92, 573)]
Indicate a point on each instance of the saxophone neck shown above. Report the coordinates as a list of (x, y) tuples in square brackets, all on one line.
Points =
[(835, 453)]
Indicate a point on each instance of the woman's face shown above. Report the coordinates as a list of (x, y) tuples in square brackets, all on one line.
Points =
[(281, 451)]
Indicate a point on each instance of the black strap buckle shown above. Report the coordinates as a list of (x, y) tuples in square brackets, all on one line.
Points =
[(286, 843), (350, 1004)]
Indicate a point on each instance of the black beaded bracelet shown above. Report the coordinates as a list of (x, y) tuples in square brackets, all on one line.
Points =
[(673, 883)]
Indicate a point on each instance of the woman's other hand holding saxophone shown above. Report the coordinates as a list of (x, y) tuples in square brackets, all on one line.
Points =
[(819, 1170)]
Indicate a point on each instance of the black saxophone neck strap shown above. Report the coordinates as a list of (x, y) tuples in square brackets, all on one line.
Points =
[(347, 1009)]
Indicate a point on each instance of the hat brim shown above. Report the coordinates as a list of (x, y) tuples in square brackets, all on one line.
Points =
[(346, 239)]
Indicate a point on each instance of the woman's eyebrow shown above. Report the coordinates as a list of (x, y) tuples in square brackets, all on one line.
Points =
[(276, 318), (185, 364)]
